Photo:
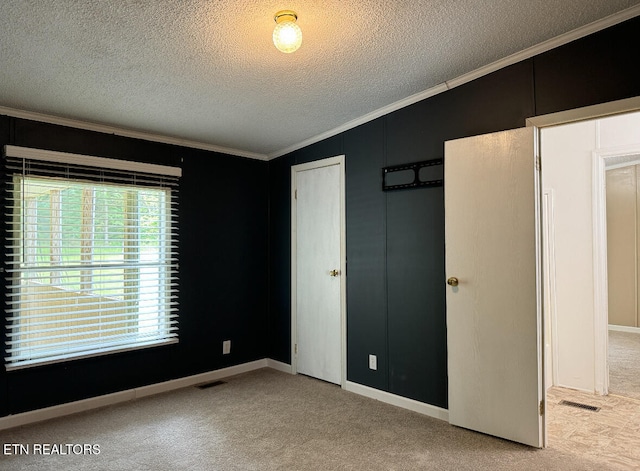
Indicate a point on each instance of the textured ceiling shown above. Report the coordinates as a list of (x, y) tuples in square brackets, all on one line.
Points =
[(207, 71)]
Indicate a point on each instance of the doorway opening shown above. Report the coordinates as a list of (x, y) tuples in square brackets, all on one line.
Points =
[(623, 241), (580, 356)]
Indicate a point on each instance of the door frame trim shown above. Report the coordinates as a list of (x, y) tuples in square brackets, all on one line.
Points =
[(549, 301), (585, 113), (603, 160), (340, 161)]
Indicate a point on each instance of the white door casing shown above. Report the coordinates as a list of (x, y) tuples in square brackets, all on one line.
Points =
[(318, 269), (492, 234)]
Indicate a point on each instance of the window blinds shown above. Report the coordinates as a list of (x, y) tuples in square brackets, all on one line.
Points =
[(91, 262)]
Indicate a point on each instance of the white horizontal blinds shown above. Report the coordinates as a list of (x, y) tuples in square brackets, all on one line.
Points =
[(91, 257)]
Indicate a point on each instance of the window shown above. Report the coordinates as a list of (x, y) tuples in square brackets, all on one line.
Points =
[(91, 263)]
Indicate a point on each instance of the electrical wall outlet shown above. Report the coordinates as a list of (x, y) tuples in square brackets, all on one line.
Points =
[(226, 347), (373, 362)]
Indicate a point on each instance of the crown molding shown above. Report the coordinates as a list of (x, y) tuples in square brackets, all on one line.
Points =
[(362, 120), (118, 131)]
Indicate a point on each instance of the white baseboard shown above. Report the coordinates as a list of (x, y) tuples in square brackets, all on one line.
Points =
[(582, 390), (199, 378), (278, 365), (52, 412), (406, 403), (624, 328), (61, 410)]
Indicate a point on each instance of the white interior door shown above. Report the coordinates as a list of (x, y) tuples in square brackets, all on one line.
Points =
[(494, 314), (318, 270)]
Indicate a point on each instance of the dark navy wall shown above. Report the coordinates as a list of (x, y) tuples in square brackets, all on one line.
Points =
[(364, 148), (223, 226), (395, 240), (594, 69), (5, 135)]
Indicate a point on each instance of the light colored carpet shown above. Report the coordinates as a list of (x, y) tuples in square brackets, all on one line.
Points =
[(268, 420), (624, 364)]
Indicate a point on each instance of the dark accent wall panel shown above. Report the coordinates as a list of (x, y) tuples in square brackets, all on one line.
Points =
[(366, 255), (5, 138), (496, 102), (416, 295), (5, 130), (59, 383), (223, 257), (326, 148), (279, 321), (80, 141), (596, 69)]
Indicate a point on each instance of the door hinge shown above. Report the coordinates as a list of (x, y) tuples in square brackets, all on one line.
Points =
[(295, 194), (538, 163), (295, 349), (541, 408)]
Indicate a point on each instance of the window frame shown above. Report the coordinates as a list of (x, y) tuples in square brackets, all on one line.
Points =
[(154, 177)]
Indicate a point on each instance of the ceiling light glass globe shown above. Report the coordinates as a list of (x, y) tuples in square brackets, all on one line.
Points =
[(287, 36)]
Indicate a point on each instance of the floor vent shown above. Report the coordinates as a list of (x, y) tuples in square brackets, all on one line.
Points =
[(579, 405), (210, 385)]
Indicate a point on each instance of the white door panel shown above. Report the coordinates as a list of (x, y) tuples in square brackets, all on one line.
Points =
[(494, 314), (318, 290)]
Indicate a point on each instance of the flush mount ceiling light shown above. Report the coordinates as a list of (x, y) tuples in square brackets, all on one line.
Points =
[(287, 35)]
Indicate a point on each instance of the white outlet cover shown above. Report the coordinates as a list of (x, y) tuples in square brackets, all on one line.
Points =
[(373, 362), (226, 347)]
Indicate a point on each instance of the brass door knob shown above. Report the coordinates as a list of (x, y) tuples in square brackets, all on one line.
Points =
[(334, 272), (453, 281)]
